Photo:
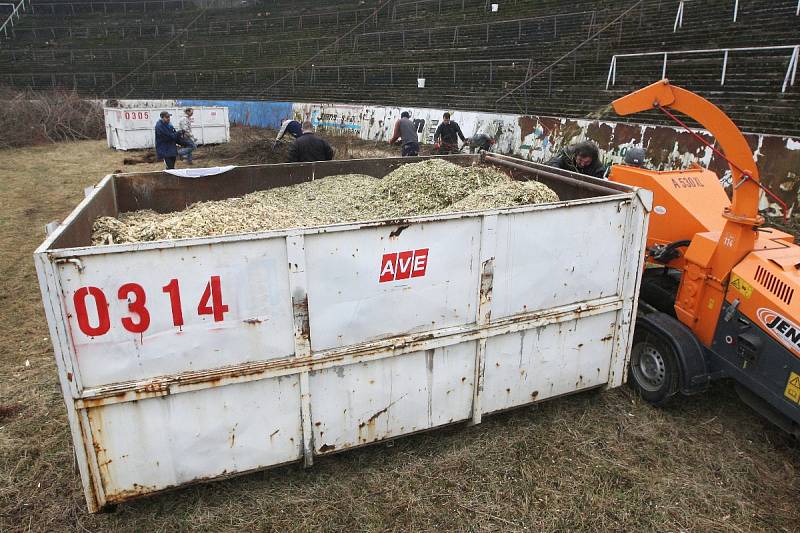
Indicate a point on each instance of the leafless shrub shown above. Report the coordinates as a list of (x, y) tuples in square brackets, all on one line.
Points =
[(38, 117)]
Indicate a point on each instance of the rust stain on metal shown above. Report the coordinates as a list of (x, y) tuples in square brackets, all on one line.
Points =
[(232, 438), (301, 311), (327, 448), (252, 321), (376, 415), (137, 491), (487, 280), (132, 391), (156, 387)]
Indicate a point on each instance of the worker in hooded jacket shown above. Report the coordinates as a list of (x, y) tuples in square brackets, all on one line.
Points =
[(582, 157), (308, 147), (166, 139)]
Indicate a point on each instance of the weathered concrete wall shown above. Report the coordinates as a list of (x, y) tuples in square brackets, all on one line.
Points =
[(539, 138)]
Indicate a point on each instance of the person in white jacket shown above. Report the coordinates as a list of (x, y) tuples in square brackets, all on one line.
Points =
[(189, 142)]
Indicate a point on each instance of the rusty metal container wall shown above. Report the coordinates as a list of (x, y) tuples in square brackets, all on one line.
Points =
[(183, 361)]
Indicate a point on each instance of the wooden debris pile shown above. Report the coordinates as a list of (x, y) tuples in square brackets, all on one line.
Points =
[(427, 187)]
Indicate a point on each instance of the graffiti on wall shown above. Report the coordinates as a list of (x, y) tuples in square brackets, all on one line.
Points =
[(539, 138), (249, 113)]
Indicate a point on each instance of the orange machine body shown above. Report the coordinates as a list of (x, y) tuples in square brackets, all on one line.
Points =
[(685, 202), (727, 248), (767, 285)]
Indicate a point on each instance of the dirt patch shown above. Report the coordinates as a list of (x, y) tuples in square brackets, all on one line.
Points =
[(9, 411), (257, 146), (140, 158)]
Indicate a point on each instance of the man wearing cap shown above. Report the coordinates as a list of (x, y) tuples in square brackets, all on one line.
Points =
[(406, 133), (308, 147), (188, 140), (635, 156), (290, 126), (166, 139)]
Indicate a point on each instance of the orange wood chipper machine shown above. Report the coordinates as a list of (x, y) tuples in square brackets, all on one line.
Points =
[(720, 296)]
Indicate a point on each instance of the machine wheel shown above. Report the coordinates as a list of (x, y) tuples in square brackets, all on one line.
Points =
[(653, 368)]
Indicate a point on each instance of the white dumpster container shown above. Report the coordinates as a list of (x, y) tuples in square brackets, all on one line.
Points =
[(191, 359), (134, 128)]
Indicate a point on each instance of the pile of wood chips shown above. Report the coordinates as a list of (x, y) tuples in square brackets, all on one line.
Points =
[(428, 187)]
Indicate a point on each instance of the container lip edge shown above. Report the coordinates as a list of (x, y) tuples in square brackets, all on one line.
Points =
[(47, 243), (314, 230)]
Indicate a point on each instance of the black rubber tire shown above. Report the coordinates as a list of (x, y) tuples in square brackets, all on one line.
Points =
[(653, 370)]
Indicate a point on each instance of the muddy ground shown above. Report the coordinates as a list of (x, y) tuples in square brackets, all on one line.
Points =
[(253, 146)]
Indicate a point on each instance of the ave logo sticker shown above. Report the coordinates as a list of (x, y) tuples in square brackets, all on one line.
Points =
[(786, 331), (404, 265)]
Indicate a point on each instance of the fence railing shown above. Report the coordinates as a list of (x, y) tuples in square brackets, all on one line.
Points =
[(788, 79), (390, 72), (15, 12), (735, 4)]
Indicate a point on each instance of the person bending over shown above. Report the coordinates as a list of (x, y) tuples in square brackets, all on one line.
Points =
[(308, 147), (582, 157)]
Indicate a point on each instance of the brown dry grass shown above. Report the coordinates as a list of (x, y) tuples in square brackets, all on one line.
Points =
[(592, 461)]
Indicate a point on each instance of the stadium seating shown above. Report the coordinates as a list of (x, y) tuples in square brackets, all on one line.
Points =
[(364, 51)]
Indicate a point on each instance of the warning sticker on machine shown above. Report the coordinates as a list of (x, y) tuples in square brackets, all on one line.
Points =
[(741, 285), (793, 387)]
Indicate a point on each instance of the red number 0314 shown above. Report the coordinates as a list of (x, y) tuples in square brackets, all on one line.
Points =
[(138, 318)]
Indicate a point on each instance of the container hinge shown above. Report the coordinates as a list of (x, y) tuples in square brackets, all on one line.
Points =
[(74, 260)]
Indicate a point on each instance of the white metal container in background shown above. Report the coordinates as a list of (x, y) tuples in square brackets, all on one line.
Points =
[(187, 360), (134, 128)]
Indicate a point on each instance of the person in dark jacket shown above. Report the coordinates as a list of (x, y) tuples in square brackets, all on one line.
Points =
[(480, 141), (166, 139), (406, 133), (309, 147), (582, 157), (447, 134)]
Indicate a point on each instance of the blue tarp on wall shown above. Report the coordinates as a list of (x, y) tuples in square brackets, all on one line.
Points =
[(249, 113)]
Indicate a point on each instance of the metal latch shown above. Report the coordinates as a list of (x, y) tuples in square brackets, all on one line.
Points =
[(731, 310)]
